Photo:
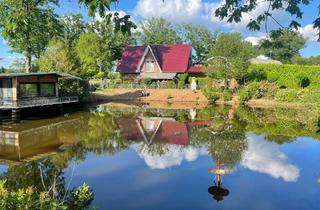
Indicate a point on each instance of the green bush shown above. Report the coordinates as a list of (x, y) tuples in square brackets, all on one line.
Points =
[(168, 84), (273, 76), (287, 95), (78, 88), (29, 198), (288, 75), (248, 92), (211, 93), (182, 80), (147, 81), (226, 95)]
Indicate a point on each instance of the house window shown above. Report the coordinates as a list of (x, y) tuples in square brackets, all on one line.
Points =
[(37, 90), (47, 89), (150, 125), (6, 89), (28, 90), (150, 66)]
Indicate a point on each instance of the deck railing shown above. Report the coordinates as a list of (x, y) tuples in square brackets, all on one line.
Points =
[(38, 101)]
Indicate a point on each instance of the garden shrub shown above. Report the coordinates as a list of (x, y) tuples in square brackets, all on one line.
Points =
[(273, 76), (168, 84), (211, 93), (286, 95), (182, 80), (288, 75), (303, 79), (147, 81), (226, 95), (248, 92)]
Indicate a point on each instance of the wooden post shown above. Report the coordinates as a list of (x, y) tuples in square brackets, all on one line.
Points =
[(60, 108), (15, 115)]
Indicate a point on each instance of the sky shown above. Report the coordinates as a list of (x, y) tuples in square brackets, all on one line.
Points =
[(196, 12)]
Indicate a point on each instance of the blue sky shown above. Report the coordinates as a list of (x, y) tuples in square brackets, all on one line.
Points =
[(193, 11)]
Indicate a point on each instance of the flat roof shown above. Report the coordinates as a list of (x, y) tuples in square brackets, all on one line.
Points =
[(57, 74)]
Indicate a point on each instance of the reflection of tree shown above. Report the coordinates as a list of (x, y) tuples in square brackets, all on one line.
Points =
[(279, 139), (226, 146), (102, 134), (283, 124), (42, 175), (42, 179), (153, 149)]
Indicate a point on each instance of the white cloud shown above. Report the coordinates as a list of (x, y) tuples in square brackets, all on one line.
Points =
[(309, 33), (200, 12), (174, 10), (266, 157), (173, 156), (121, 13), (254, 40)]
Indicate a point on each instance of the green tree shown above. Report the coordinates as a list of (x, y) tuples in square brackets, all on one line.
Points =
[(158, 31), (28, 26), (229, 57), (89, 50), (200, 37), (283, 45), (313, 60), (112, 42), (73, 25), (60, 57)]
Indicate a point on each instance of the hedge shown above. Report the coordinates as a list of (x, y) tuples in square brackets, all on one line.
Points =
[(287, 76)]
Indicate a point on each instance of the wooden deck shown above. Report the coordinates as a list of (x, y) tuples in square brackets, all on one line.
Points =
[(36, 102)]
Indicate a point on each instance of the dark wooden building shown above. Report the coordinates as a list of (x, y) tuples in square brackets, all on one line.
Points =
[(30, 90)]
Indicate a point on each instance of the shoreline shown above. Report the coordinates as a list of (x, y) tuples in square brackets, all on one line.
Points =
[(182, 99)]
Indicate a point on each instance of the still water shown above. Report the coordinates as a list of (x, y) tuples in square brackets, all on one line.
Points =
[(146, 158)]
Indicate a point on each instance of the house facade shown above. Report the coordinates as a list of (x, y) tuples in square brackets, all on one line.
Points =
[(31, 90), (158, 62)]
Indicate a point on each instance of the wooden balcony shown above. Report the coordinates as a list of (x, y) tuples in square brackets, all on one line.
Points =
[(36, 102)]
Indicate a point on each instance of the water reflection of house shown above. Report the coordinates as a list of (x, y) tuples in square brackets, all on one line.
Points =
[(35, 140), (157, 130)]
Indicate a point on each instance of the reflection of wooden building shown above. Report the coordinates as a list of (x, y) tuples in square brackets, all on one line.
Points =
[(157, 130), (30, 90), (34, 140)]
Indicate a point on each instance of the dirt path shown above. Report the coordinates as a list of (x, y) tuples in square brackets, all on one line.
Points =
[(154, 95)]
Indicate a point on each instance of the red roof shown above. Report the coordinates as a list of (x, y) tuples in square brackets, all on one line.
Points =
[(196, 70), (131, 58), (171, 58)]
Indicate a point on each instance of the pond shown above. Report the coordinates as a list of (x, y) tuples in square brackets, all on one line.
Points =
[(147, 158)]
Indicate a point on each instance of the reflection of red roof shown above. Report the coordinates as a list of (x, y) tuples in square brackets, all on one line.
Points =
[(174, 133), (196, 70), (129, 129), (170, 132), (171, 58)]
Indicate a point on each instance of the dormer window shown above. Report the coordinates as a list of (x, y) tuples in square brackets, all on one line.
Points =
[(150, 66)]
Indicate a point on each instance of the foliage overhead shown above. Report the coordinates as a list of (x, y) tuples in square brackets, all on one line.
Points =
[(233, 11)]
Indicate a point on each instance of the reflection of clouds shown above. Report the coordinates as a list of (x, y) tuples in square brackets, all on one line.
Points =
[(173, 156), (266, 157)]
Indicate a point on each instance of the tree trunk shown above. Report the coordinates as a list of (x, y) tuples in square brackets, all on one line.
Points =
[(28, 64)]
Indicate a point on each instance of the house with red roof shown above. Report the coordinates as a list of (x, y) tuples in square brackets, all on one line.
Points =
[(158, 62)]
